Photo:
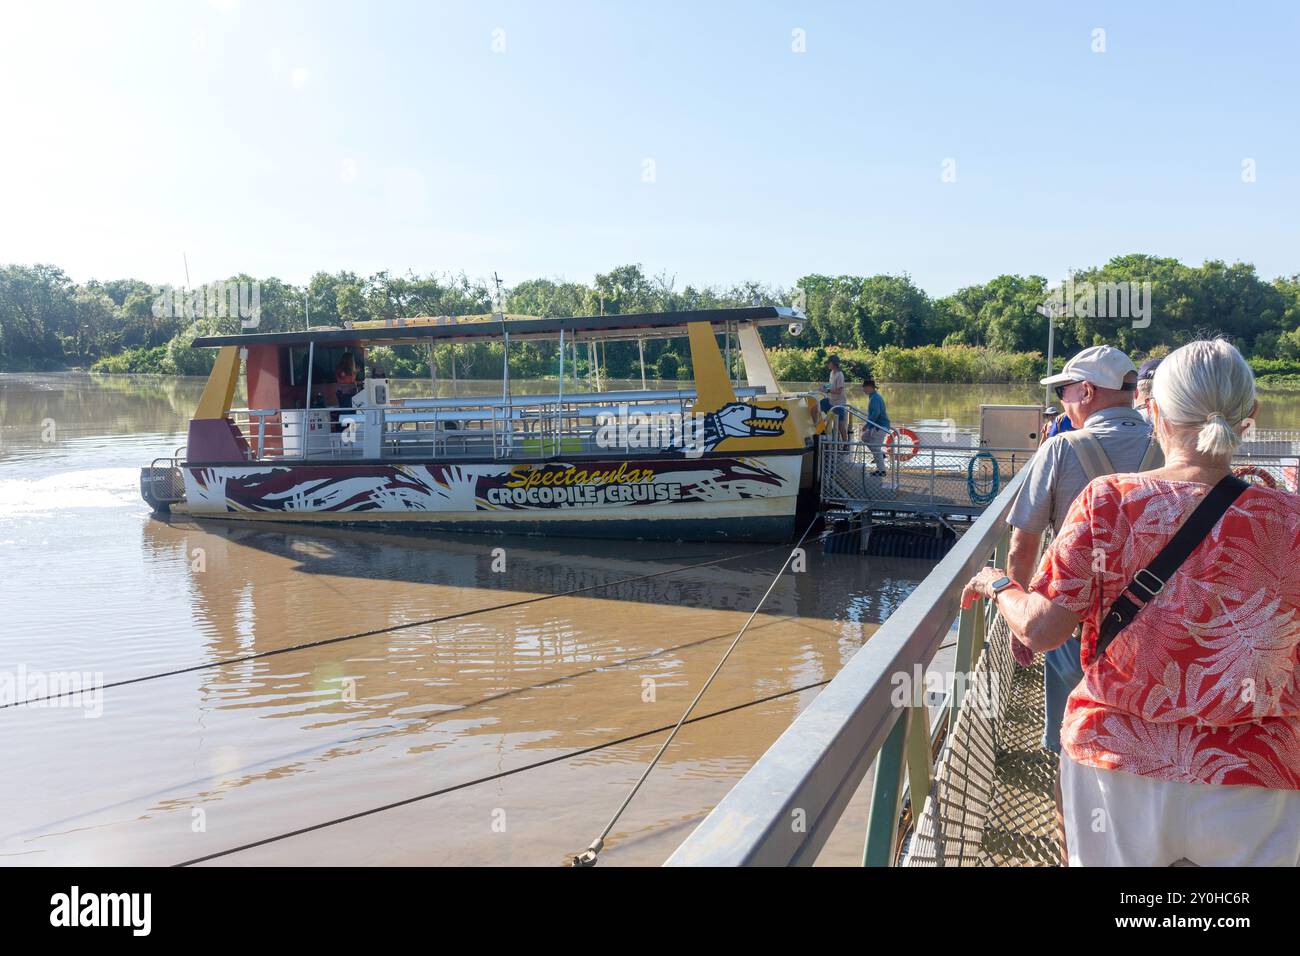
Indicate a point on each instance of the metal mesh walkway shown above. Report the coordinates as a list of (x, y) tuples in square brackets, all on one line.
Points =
[(990, 802)]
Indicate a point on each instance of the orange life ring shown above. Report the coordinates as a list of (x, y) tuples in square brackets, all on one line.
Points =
[(911, 450), (1250, 471)]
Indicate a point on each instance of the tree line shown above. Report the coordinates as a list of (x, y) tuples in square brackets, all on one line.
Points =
[(993, 331)]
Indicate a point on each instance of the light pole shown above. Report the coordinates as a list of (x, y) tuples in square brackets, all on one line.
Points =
[(1050, 309)]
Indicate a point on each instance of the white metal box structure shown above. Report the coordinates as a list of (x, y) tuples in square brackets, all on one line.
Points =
[(1010, 426)]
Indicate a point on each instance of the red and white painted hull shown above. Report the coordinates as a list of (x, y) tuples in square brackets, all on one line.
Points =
[(706, 498)]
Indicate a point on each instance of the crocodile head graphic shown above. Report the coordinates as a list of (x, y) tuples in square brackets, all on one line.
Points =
[(738, 420), (733, 420)]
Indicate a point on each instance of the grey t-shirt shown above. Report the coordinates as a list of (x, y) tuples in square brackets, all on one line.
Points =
[(835, 388), (1056, 476)]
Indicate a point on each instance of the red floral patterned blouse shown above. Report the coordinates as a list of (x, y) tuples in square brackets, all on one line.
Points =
[(1204, 685)]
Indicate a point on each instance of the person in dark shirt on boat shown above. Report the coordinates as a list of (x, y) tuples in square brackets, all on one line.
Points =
[(877, 426), (345, 374), (346, 371)]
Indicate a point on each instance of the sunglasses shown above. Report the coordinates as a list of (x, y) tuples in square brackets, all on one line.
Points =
[(1060, 389)]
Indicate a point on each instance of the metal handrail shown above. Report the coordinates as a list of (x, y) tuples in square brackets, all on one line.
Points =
[(575, 398), (784, 809), (864, 416), (527, 428)]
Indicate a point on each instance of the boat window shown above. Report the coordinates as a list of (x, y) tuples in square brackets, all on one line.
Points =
[(326, 362)]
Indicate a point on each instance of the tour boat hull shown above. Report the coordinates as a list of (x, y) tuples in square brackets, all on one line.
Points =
[(752, 498)]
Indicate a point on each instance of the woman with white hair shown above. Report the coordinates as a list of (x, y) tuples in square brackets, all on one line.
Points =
[(1182, 742)]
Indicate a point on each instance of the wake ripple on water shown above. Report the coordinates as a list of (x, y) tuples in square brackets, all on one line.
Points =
[(70, 491)]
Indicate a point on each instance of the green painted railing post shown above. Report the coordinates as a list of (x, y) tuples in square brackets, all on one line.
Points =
[(988, 611), (906, 748), (1001, 551), (886, 795), (920, 758), (963, 662)]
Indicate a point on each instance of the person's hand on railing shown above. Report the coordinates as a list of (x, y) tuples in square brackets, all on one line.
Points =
[(980, 586)]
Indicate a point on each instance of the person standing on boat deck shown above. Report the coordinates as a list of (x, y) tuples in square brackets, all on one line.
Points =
[(1095, 388), (345, 378), (877, 424), (345, 373), (836, 396), (1182, 743)]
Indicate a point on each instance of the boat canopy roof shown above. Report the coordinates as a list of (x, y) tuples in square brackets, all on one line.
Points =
[(451, 328)]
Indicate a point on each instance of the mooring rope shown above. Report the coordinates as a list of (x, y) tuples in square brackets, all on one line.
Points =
[(497, 776), (410, 724), (588, 857), (685, 718), (244, 658), (393, 628)]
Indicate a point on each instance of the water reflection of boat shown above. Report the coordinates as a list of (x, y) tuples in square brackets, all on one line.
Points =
[(568, 633), (449, 616), (324, 442)]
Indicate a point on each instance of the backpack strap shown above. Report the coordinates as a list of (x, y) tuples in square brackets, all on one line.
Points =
[(1153, 458), (1091, 455), (1151, 580)]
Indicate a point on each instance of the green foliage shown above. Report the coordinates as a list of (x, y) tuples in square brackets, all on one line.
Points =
[(885, 323), (190, 361), (1288, 383), (667, 366), (1277, 366), (138, 361)]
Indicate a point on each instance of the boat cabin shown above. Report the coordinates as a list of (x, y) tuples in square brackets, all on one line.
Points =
[(315, 394)]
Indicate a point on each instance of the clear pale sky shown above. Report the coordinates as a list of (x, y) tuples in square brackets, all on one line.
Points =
[(282, 138)]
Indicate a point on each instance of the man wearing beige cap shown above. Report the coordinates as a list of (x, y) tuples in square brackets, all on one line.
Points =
[(1096, 390)]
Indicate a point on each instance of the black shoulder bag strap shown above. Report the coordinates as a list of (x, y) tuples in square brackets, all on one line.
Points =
[(1150, 581)]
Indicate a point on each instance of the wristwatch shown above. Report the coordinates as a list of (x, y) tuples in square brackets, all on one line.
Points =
[(1000, 585)]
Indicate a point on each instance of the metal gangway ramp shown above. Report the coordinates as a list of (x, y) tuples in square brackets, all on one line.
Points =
[(940, 480), (959, 781), (990, 799)]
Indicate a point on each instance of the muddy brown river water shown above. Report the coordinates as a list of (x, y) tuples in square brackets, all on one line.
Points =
[(464, 700)]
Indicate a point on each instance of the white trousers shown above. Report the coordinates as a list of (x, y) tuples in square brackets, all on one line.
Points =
[(1114, 818), (875, 438)]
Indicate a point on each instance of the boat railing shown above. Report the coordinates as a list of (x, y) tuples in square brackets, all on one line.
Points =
[(953, 474), (859, 414), (162, 483), (519, 428), (874, 712), (939, 478), (574, 398), (1270, 441), (1259, 440), (255, 427), (1273, 471)]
